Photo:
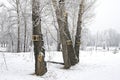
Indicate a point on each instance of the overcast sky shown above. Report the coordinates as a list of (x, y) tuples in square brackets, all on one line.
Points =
[(107, 15)]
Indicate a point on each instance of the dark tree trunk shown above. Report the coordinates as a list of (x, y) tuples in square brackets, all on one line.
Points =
[(39, 52), (18, 23), (58, 47), (25, 34), (78, 30), (58, 41)]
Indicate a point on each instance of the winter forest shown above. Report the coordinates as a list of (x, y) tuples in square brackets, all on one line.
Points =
[(58, 40)]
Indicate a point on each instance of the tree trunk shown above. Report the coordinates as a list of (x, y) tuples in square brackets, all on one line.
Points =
[(25, 34), (39, 52), (18, 23), (67, 45), (58, 41), (70, 48), (78, 30), (61, 23)]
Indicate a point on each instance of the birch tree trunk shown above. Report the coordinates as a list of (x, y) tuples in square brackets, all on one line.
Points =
[(39, 52)]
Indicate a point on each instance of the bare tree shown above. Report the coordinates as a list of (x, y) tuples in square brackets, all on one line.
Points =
[(7, 29), (25, 9), (39, 51), (20, 18), (67, 45), (83, 16), (72, 54), (79, 28), (25, 25), (18, 23), (60, 10), (16, 8), (58, 32)]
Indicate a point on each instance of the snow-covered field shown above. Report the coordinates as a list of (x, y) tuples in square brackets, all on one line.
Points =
[(94, 65)]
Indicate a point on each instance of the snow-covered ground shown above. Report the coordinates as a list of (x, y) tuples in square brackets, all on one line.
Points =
[(94, 65)]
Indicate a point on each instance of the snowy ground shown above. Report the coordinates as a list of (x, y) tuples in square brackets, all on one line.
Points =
[(93, 65)]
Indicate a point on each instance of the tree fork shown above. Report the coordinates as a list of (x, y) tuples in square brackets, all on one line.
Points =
[(62, 26), (69, 43)]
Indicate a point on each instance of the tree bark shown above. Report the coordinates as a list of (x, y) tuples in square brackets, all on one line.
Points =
[(58, 41), (39, 52), (25, 33), (69, 43), (79, 28), (61, 22), (69, 56)]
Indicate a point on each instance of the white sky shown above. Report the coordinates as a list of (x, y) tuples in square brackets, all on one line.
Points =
[(4, 1), (107, 15)]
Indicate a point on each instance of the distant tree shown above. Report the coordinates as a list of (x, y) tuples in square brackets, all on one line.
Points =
[(17, 2), (20, 18), (25, 8), (112, 38), (106, 39)]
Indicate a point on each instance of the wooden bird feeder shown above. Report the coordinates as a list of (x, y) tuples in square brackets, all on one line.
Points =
[(35, 37)]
